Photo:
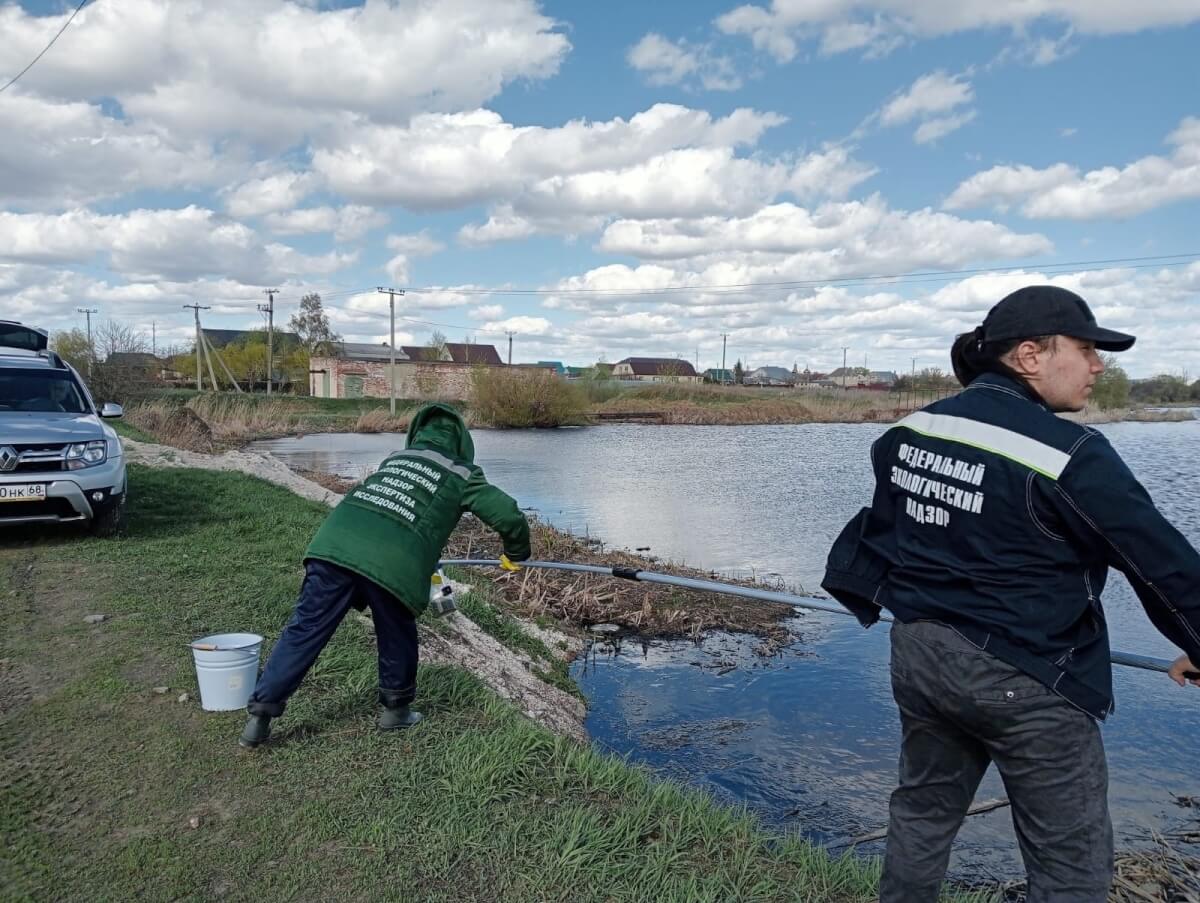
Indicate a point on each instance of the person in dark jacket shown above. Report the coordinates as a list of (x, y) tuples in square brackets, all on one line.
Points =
[(379, 548), (993, 525)]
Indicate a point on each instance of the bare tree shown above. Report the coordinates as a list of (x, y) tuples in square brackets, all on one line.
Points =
[(112, 337)]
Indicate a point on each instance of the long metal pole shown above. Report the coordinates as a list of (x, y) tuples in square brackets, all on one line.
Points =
[(392, 355), (1128, 659)]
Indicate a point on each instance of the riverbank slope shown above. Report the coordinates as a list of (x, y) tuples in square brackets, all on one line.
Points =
[(112, 790)]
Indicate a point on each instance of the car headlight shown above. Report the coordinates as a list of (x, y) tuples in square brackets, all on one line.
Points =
[(85, 454)]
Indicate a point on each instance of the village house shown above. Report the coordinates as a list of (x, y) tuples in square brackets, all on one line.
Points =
[(655, 370), (719, 376), (354, 370), (769, 376)]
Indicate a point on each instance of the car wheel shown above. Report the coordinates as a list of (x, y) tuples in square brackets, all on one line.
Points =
[(110, 521)]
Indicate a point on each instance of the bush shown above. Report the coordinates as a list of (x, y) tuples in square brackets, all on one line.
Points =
[(515, 399), (1112, 388)]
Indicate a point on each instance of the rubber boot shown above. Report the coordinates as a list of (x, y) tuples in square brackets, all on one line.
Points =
[(391, 719), (256, 731)]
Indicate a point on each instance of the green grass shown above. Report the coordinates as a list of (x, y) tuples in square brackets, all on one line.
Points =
[(101, 779), (479, 606), (129, 431)]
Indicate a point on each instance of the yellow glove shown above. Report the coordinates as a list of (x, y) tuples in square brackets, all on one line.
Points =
[(508, 565)]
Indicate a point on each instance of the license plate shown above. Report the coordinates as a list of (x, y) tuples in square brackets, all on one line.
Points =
[(23, 492)]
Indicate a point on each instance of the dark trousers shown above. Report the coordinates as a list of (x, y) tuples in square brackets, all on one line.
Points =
[(327, 594), (961, 709)]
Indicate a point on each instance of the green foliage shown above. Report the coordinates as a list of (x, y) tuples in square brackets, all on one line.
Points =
[(518, 398), (1165, 388), (72, 346), (311, 323), (1112, 387)]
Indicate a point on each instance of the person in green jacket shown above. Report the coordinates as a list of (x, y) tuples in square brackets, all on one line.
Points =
[(379, 548)]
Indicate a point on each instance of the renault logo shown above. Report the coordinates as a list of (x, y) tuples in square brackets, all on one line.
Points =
[(8, 459)]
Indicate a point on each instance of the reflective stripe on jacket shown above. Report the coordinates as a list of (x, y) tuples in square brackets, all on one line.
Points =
[(998, 518)]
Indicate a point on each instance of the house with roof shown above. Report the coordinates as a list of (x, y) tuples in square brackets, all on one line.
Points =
[(219, 338), (721, 377), (769, 376), (356, 370), (655, 370), (457, 352)]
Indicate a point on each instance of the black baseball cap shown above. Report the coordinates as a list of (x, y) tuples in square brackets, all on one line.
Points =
[(1038, 310)]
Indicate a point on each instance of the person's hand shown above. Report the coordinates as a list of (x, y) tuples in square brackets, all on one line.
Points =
[(508, 565), (1179, 672)]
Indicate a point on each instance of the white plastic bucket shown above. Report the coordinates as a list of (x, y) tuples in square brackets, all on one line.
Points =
[(226, 669)]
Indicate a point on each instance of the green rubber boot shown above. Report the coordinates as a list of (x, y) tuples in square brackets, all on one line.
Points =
[(256, 731), (391, 719)]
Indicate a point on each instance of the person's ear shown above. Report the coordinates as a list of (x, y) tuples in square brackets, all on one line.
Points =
[(1025, 359)]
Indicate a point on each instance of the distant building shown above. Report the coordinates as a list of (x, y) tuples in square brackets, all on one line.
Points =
[(719, 376), (556, 366), (219, 338), (768, 376), (362, 351), (458, 352), (655, 370)]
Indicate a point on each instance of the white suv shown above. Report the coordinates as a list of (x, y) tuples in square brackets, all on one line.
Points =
[(59, 461)]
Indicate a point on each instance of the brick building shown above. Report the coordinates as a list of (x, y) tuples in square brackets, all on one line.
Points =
[(363, 371)]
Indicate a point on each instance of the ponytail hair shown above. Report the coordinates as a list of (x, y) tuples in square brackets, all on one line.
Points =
[(971, 356)]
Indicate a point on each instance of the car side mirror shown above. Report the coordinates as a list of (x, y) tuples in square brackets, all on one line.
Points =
[(111, 410)]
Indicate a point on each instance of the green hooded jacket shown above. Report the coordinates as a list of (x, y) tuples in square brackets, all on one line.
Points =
[(392, 527)]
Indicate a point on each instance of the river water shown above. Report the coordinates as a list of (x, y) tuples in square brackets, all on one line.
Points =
[(807, 739)]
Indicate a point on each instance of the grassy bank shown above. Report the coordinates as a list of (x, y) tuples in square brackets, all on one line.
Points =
[(204, 421), (111, 791)]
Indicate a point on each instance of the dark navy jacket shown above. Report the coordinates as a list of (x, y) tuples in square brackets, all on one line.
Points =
[(998, 518)]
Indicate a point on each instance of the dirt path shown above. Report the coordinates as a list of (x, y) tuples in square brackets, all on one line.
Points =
[(458, 641)]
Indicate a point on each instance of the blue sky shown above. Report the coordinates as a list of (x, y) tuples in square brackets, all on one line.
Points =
[(629, 162)]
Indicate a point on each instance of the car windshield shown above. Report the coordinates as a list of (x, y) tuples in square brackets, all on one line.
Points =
[(48, 391)]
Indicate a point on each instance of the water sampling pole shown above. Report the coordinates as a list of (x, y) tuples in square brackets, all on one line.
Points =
[(1128, 659)]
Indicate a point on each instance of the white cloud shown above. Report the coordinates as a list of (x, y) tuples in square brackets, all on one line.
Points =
[(418, 244), (1062, 192), (348, 223), (929, 95), (666, 62), (851, 238), (840, 25), (933, 129), (177, 245), (269, 194), (523, 326), (488, 312), (65, 154), (695, 182), (446, 161), (273, 70)]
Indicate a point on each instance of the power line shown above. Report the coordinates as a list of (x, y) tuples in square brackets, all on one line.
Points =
[(71, 18), (895, 278)]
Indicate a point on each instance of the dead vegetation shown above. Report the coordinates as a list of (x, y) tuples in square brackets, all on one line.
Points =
[(208, 423), (583, 599)]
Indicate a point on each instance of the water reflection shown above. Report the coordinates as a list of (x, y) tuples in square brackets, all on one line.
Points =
[(807, 738)]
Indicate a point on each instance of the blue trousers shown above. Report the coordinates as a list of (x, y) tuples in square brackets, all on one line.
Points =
[(328, 592)]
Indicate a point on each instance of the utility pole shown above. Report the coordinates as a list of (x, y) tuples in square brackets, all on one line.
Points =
[(91, 348), (391, 293), (154, 338), (724, 339), (844, 369), (269, 310), (510, 333), (199, 342)]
